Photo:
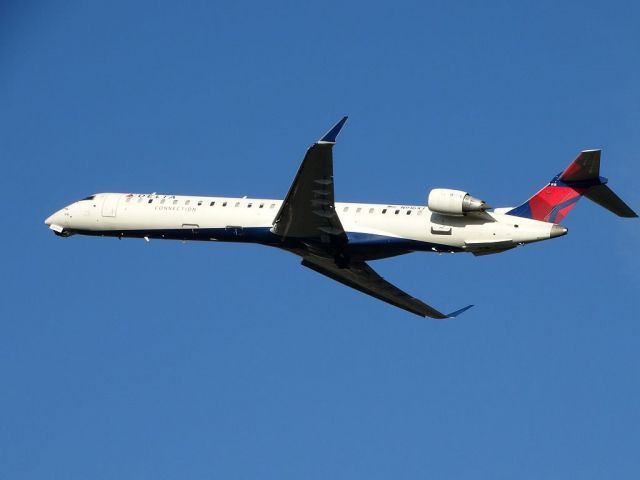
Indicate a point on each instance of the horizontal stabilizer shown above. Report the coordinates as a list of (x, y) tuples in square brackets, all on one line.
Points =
[(604, 196)]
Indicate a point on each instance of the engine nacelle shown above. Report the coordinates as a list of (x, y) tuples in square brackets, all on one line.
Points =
[(454, 202)]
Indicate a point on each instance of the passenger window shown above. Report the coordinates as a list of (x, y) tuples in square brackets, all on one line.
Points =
[(261, 205), (150, 200), (162, 201), (237, 204), (384, 210), (200, 203), (128, 200), (371, 210), (408, 212), (397, 212), (187, 202), (224, 204), (272, 205), (140, 200), (358, 210), (249, 205), (212, 204), (175, 202), (419, 212)]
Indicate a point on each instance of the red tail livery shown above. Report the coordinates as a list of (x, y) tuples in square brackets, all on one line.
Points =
[(581, 177)]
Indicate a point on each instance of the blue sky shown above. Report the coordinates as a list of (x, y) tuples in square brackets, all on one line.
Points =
[(122, 359)]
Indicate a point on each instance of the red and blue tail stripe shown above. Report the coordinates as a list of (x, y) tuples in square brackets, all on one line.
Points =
[(555, 200), (551, 204)]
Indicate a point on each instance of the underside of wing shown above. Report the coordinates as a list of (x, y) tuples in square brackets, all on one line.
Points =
[(308, 211), (362, 277)]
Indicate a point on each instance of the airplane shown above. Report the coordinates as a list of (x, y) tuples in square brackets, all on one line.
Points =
[(339, 239)]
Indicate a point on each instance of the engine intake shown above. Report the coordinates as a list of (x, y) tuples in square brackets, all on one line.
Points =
[(454, 202)]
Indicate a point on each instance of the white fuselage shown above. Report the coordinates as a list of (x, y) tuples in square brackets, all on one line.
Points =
[(374, 230)]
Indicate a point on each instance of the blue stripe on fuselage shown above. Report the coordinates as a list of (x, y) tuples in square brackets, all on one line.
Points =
[(357, 241)]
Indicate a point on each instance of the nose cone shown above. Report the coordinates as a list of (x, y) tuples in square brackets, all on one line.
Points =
[(57, 219), (557, 231)]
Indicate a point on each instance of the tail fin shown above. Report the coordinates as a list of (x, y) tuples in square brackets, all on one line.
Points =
[(582, 177)]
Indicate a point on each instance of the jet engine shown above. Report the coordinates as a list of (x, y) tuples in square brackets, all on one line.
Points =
[(454, 202)]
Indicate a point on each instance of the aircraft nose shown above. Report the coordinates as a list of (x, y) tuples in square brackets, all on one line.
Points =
[(55, 219), (557, 231)]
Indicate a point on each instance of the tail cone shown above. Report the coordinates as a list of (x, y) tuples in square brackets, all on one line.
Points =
[(557, 231)]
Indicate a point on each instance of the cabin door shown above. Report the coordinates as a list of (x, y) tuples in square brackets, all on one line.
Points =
[(110, 205)]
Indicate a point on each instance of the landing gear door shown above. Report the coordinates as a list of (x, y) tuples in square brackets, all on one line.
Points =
[(110, 205)]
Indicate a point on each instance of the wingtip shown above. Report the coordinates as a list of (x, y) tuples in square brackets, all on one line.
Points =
[(459, 312), (331, 135)]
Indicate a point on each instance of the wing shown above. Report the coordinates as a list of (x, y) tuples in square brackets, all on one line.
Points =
[(308, 210), (362, 277)]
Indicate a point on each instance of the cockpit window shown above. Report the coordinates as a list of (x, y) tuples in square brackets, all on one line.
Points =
[(90, 197)]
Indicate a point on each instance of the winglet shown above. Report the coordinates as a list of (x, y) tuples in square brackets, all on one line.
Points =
[(459, 312), (331, 135)]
